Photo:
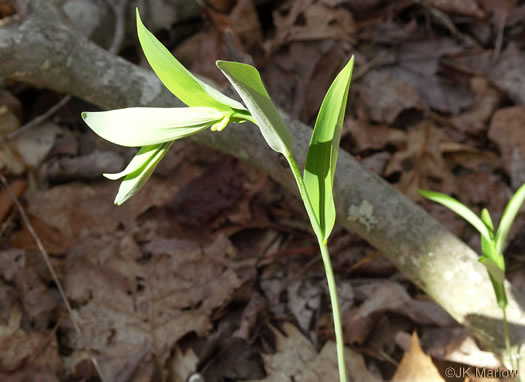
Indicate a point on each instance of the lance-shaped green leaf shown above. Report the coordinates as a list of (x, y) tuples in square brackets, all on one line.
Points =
[(144, 126), (247, 81), (139, 170), (184, 85), (509, 214), (458, 208), (491, 259), (322, 153)]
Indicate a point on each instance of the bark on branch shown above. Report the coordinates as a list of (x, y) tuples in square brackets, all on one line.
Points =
[(44, 49)]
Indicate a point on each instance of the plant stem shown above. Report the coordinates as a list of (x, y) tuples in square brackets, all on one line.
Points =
[(507, 338), (332, 290)]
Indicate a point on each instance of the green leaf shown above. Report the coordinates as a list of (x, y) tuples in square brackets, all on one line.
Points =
[(459, 209), (184, 85), (139, 170), (509, 214), (144, 126), (247, 81), (322, 153), (493, 268), (499, 291)]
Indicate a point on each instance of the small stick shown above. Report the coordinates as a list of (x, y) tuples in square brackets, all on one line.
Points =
[(61, 291), (38, 120)]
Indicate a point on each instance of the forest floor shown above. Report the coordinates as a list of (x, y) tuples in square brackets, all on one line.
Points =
[(212, 269)]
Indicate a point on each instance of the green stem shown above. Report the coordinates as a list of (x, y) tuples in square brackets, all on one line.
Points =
[(507, 338), (332, 290)]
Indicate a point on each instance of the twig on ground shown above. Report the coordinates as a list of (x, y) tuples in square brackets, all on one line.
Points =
[(37, 121), (49, 266), (119, 8)]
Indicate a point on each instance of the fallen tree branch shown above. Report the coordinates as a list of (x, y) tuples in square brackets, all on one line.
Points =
[(46, 51)]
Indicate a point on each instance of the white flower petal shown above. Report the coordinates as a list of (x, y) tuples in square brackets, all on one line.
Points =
[(141, 126)]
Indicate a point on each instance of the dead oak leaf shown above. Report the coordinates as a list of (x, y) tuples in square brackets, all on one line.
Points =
[(125, 303), (416, 365), (310, 20), (296, 359), (421, 159), (506, 129)]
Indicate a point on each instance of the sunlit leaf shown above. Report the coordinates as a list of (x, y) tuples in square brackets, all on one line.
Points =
[(144, 126), (322, 153), (499, 291), (459, 209), (139, 170), (247, 81), (509, 214), (184, 85)]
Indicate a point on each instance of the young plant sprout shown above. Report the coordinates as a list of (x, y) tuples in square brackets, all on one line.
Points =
[(155, 129), (492, 244)]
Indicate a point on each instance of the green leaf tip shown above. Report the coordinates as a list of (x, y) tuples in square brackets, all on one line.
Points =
[(181, 82), (138, 171), (509, 214), (247, 81), (321, 159), (460, 209)]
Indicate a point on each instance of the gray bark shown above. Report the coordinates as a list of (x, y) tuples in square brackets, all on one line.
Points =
[(45, 50)]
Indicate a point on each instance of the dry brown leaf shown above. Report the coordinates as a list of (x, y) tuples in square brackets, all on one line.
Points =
[(304, 300), (422, 158), (386, 96), (460, 7), (9, 122), (130, 298), (367, 136), (182, 364), (474, 119), (34, 145), (416, 366), (302, 20), (28, 349), (88, 209), (247, 25), (390, 296), (52, 239), (296, 359), (508, 74), (506, 129), (299, 75)]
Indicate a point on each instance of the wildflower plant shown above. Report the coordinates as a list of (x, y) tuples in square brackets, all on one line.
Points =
[(155, 129), (492, 245)]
